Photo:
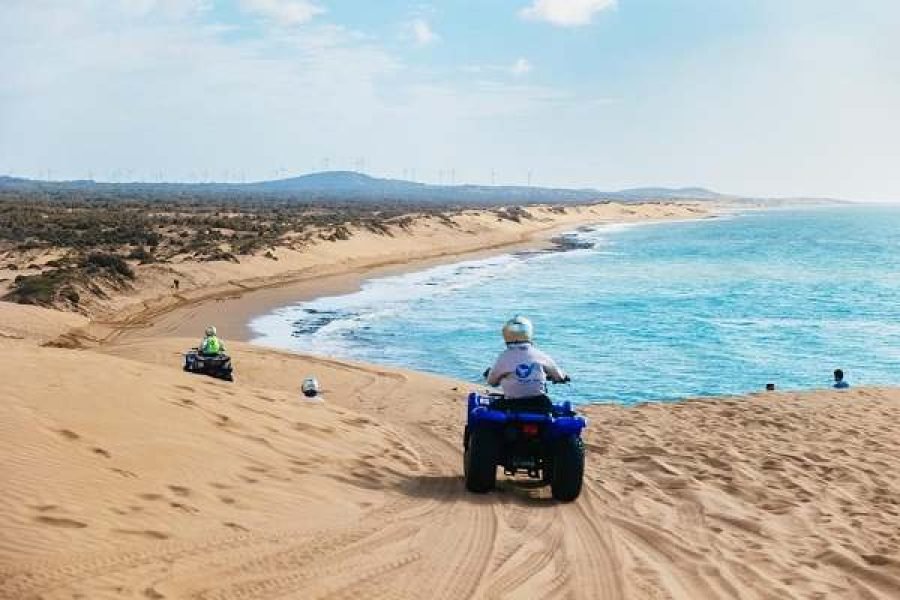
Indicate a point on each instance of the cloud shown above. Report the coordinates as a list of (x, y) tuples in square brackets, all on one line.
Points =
[(286, 13), (423, 33), (521, 67), (565, 13), (169, 8)]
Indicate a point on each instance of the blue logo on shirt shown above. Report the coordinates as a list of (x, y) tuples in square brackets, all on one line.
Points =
[(524, 371)]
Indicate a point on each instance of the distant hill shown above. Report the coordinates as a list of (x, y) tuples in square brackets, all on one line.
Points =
[(696, 193), (349, 186)]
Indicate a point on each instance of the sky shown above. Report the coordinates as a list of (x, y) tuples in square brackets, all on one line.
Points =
[(752, 97)]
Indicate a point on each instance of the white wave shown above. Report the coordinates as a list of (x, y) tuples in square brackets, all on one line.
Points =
[(375, 300)]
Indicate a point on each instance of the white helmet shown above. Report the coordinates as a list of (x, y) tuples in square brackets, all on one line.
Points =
[(310, 387), (518, 329), (210, 331)]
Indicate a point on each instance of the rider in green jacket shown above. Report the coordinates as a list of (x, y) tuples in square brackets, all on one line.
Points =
[(211, 344)]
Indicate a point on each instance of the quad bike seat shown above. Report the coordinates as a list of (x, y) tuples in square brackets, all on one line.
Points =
[(533, 404)]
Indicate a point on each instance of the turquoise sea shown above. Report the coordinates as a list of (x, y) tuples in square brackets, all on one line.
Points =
[(657, 311)]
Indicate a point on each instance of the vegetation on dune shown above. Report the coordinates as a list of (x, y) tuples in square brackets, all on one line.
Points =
[(513, 213), (150, 229), (101, 238), (61, 284)]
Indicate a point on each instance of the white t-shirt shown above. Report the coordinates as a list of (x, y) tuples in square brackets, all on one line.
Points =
[(522, 370)]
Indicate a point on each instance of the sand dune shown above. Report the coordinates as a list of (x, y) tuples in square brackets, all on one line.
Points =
[(36, 325), (125, 477)]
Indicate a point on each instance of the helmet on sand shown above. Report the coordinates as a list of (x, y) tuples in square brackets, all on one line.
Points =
[(310, 387), (518, 329), (210, 331)]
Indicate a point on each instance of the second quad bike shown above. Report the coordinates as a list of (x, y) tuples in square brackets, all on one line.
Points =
[(218, 366)]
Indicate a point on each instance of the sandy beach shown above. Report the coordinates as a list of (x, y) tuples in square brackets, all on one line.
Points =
[(126, 478)]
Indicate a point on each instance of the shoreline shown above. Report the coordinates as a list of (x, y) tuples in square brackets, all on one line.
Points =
[(237, 310), (233, 306)]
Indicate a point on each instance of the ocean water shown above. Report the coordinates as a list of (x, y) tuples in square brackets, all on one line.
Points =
[(658, 311)]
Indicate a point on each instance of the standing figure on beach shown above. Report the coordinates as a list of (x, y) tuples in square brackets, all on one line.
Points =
[(211, 344), (523, 370), (839, 382)]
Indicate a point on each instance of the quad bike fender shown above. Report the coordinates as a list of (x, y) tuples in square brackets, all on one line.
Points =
[(562, 427), (483, 414), (559, 426)]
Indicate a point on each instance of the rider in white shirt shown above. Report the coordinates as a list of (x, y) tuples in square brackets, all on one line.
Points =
[(522, 370)]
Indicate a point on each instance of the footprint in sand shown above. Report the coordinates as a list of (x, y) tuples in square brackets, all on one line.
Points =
[(180, 490), (127, 511), (61, 522), (101, 452), (184, 508), (69, 435), (148, 533), (153, 594)]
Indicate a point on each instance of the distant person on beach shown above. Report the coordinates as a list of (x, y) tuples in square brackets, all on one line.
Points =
[(523, 370), (839, 382), (175, 284), (211, 344)]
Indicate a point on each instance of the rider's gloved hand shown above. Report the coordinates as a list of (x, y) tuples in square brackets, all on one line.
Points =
[(566, 379), (486, 373)]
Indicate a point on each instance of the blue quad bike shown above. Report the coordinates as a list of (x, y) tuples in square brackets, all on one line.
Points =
[(218, 366), (534, 436)]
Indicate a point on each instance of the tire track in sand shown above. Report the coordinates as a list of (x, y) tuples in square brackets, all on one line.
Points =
[(593, 556)]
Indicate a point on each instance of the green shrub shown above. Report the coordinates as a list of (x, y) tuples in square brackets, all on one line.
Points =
[(142, 254), (97, 261), (40, 290), (70, 294)]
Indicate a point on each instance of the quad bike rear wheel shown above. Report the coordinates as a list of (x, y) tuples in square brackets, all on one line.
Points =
[(480, 461), (568, 469)]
